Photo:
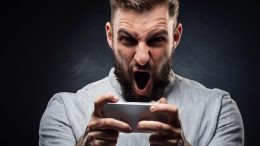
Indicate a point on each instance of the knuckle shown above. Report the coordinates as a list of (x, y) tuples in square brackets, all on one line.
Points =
[(159, 126), (90, 136), (96, 143), (108, 122), (178, 133), (92, 124)]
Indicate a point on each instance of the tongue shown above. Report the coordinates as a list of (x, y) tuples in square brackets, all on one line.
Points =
[(141, 79)]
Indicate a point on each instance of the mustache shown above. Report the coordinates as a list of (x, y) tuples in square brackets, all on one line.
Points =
[(148, 66)]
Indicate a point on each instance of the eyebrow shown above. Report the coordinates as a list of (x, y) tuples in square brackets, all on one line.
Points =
[(124, 32), (159, 33)]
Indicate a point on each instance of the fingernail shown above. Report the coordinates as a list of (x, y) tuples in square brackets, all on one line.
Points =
[(163, 100), (152, 108), (138, 126), (127, 128), (130, 129)]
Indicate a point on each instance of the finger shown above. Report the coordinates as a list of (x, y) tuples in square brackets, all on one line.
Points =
[(99, 142), (109, 123), (155, 126), (99, 103), (167, 108), (171, 110), (163, 100), (108, 134)]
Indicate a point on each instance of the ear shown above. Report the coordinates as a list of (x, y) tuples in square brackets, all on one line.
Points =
[(177, 35), (109, 33)]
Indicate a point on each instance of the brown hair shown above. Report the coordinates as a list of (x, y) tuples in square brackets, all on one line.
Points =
[(145, 5)]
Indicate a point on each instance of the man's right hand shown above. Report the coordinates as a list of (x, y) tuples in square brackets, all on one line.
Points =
[(103, 131)]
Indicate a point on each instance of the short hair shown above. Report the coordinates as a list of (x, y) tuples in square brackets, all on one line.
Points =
[(145, 5)]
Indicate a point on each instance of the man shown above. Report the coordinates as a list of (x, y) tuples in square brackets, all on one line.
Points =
[(143, 35)]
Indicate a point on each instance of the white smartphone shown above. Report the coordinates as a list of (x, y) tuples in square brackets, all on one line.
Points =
[(132, 113)]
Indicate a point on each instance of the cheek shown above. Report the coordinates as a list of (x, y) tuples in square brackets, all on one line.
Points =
[(160, 57), (124, 56)]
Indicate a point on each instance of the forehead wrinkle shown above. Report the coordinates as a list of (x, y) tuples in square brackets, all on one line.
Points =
[(143, 31), (140, 24), (127, 27)]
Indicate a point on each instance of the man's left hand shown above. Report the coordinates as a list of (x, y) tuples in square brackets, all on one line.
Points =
[(167, 134)]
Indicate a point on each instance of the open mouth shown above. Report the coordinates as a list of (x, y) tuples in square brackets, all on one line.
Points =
[(141, 79)]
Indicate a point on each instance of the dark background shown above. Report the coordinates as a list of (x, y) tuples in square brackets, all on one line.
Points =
[(54, 46)]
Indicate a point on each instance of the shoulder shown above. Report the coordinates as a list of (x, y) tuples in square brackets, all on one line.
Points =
[(82, 97), (72, 110), (193, 95), (64, 97), (198, 92), (211, 109)]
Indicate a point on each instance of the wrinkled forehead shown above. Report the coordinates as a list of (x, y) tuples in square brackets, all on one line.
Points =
[(156, 17)]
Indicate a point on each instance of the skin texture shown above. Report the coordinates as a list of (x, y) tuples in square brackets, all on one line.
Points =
[(142, 27), (141, 39)]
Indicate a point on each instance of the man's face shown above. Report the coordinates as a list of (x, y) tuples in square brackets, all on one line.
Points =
[(143, 44)]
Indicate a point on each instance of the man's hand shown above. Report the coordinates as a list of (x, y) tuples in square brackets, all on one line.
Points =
[(103, 131), (168, 134)]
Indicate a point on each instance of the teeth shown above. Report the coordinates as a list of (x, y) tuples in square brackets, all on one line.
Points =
[(141, 79)]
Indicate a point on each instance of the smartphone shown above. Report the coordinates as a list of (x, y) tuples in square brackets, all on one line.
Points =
[(132, 113)]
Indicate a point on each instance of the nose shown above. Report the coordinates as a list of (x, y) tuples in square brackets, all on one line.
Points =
[(142, 55)]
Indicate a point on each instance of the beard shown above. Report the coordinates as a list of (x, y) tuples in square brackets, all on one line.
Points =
[(160, 81)]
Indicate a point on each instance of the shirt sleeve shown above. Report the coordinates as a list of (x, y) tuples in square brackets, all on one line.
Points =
[(230, 129), (55, 128)]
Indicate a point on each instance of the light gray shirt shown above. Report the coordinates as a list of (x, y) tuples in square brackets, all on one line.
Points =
[(209, 116)]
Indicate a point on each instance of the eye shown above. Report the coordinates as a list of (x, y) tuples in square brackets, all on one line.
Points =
[(128, 41), (156, 41)]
